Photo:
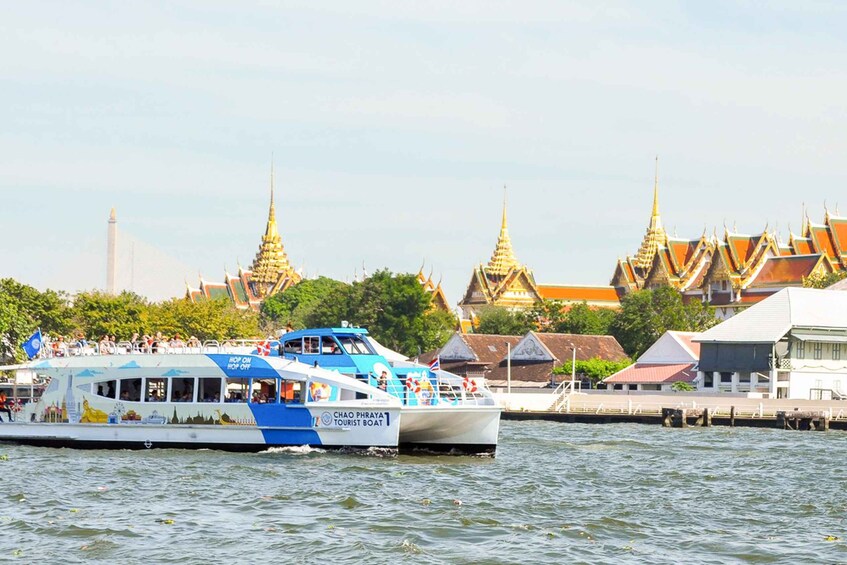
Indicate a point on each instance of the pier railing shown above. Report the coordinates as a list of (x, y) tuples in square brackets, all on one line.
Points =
[(568, 402)]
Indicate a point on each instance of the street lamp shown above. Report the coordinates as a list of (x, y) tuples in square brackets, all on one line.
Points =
[(509, 368), (573, 369)]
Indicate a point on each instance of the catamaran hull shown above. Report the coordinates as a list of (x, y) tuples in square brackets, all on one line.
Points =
[(226, 438), (465, 429)]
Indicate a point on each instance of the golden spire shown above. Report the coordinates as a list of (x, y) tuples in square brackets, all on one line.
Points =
[(655, 235), (503, 260), (271, 262)]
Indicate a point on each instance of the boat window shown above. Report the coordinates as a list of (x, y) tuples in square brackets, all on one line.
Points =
[(182, 390), (156, 390), (263, 391), (355, 345), (293, 346), (329, 346), (106, 388), (311, 345), (131, 390), (209, 390), (290, 392), (236, 390)]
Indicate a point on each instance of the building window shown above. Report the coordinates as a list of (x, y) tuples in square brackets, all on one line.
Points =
[(708, 379), (801, 350), (836, 351), (818, 349), (726, 378)]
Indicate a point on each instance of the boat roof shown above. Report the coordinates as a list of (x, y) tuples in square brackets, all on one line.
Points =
[(323, 331), (189, 365)]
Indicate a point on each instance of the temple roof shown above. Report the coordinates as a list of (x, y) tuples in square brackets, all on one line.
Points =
[(271, 262), (655, 235), (503, 259)]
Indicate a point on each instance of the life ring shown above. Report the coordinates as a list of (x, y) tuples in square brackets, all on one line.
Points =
[(469, 385), (16, 407), (410, 382)]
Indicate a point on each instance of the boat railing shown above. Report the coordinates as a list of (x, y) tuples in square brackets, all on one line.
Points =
[(80, 349)]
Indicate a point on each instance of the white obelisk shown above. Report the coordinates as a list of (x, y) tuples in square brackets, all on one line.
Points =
[(111, 252)]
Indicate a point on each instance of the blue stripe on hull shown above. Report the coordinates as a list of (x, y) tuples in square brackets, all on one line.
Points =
[(278, 438)]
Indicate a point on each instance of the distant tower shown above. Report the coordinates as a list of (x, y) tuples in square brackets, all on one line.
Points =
[(271, 271), (655, 235), (111, 252)]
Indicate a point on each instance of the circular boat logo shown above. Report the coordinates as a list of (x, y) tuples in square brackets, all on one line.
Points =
[(36, 343), (326, 418)]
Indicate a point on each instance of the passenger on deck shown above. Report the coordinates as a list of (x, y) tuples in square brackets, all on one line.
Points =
[(124, 395), (382, 381), (154, 396), (4, 406)]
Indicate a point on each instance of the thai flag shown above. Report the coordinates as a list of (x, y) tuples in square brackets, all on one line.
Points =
[(435, 364), (264, 348)]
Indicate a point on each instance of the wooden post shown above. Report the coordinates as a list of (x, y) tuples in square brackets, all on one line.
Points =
[(732, 416), (679, 418), (781, 421), (707, 418)]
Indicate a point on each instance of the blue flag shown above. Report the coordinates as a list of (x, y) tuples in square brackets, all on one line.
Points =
[(33, 345)]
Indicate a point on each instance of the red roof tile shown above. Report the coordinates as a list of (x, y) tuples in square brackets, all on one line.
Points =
[(653, 374)]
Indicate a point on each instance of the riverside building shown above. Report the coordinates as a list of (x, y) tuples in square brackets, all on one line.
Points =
[(790, 345)]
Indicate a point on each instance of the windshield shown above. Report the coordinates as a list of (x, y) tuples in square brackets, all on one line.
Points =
[(355, 345)]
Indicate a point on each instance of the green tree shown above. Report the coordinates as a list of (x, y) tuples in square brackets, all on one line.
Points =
[(97, 313), (817, 280), (503, 321), (554, 316), (209, 319), (647, 314), (48, 310), (595, 369), (395, 309), (294, 305), (15, 327), (682, 386)]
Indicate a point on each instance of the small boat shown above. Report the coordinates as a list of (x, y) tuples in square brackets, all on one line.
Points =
[(233, 402), (440, 411)]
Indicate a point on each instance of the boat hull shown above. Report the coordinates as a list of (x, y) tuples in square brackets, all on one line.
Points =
[(462, 429), (226, 438)]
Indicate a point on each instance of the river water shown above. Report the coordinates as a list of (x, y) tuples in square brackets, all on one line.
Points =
[(555, 493)]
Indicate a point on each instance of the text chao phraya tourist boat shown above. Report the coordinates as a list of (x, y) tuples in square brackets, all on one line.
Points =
[(201, 399)]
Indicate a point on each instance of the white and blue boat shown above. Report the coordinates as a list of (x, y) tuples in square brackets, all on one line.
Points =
[(234, 402), (440, 411)]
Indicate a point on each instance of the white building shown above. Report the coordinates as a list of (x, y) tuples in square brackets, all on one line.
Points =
[(671, 359), (791, 345)]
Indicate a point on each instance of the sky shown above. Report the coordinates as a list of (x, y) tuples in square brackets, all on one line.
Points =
[(394, 126)]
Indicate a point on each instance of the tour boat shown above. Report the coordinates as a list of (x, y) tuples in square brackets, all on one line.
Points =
[(233, 402), (440, 411)]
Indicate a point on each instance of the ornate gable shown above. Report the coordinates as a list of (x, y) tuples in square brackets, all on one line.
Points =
[(456, 349), (530, 348)]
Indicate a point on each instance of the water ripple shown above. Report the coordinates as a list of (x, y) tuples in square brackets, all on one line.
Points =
[(555, 493)]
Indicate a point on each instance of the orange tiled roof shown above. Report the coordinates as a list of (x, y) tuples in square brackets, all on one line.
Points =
[(786, 270), (820, 235), (741, 247), (802, 245), (579, 293), (838, 228)]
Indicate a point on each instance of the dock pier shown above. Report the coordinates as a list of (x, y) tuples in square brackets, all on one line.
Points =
[(678, 411)]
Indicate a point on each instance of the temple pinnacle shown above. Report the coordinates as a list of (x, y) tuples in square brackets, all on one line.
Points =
[(656, 190)]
